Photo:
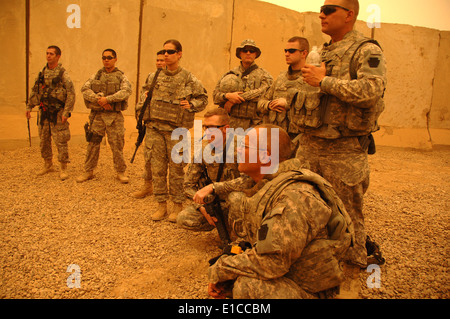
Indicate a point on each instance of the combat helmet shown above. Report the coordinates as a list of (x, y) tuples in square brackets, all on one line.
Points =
[(229, 83), (247, 43)]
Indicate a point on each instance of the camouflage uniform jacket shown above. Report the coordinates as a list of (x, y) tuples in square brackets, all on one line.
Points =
[(280, 227), (253, 85), (353, 88), (64, 91), (290, 86), (195, 174), (119, 94), (175, 85)]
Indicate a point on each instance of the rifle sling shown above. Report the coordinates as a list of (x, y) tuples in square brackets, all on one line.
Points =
[(149, 97), (249, 70)]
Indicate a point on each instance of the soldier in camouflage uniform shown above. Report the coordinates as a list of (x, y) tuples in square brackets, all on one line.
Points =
[(177, 96), (106, 93), (353, 80), (285, 103), (238, 90), (147, 188), (195, 217), (297, 227), (54, 93)]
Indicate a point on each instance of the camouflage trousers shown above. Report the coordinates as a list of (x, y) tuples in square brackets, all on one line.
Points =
[(147, 158), (191, 218), (279, 288), (61, 136), (111, 124), (344, 164), (167, 176)]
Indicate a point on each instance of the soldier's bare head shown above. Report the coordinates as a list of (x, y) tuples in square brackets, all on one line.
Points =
[(215, 123), (262, 149), (338, 17), (113, 53), (303, 43), (295, 52), (160, 63), (173, 51), (283, 140), (109, 59), (53, 54), (56, 49), (352, 5)]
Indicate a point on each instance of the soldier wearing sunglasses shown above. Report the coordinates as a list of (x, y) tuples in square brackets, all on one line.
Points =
[(239, 89), (352, 78), (283, 103), (215, 125), (177, 96), (106, 94)]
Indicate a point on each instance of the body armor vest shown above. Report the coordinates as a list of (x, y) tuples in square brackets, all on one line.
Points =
[(167, 94), (335, 118), (105, 84), (51, 93), (287, 88), (236, 82), (50, 88), (318, 268)]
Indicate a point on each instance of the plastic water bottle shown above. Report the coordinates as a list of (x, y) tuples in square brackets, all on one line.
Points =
[(314, 57)]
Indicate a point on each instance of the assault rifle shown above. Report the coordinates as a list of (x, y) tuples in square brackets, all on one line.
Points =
[(140, 125), (213, 208), (29, 132)]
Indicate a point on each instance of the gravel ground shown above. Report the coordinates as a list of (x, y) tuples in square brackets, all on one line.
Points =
[(46, 225)]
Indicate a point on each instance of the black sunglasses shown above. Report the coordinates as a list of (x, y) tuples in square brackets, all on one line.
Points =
[(331, 8), (108, 57), (248, 50), (205, 127), (169, 51), (291, 51)]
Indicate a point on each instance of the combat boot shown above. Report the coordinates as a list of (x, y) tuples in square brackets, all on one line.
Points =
[(351, 286), (145, 191), (122, 178), (48, 167), (161, 212), (63, 173), (176, 208), (85, 176)]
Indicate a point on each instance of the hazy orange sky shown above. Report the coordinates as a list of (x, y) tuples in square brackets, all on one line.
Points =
[(431, 13)]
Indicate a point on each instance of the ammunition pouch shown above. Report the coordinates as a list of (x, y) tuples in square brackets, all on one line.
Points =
[(170, 111), (306, 111), (367, 143), (92, 137)]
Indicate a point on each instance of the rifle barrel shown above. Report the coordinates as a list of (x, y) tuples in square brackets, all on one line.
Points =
[(29, 133)]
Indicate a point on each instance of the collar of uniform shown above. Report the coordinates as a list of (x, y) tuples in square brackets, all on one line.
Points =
[(293, 74), (343, 45), (115, 69), (242, 69), (172, 73), (55, 68)]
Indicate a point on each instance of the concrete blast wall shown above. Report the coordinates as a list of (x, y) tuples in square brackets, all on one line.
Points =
[(417, 98)]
